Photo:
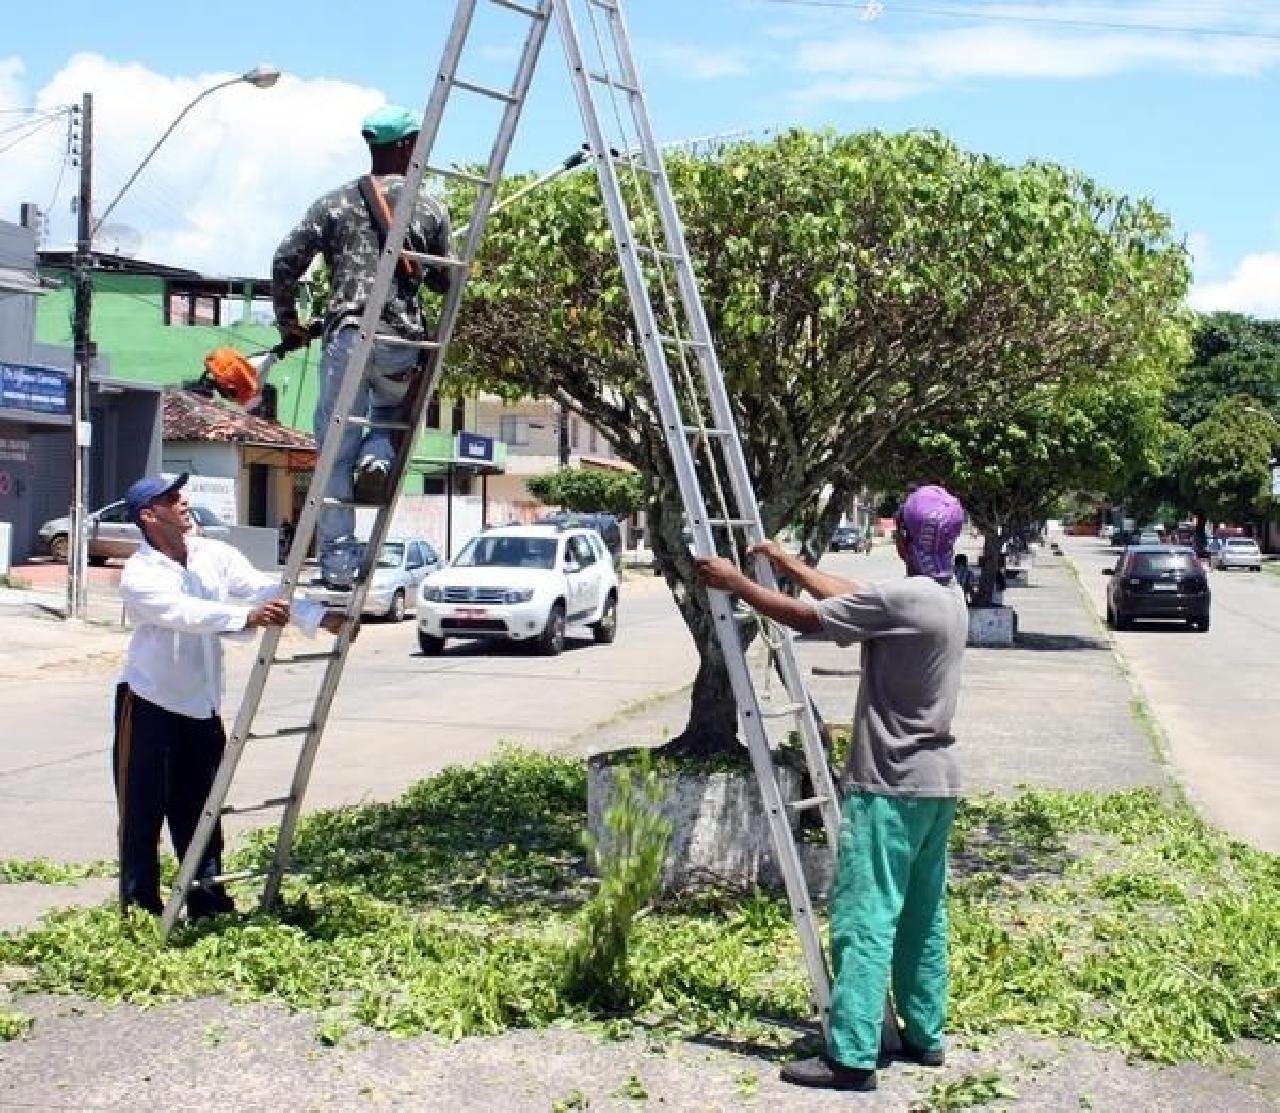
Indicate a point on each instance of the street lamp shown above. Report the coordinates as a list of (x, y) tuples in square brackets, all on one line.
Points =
[(260, 77)]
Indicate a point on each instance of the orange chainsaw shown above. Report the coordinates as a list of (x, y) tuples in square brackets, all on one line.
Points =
[(240, 378)]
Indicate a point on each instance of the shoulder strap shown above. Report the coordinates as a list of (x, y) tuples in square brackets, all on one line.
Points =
[(380, 213)]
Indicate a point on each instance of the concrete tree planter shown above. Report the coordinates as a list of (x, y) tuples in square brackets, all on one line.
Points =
[(992, 627), (719, 832)]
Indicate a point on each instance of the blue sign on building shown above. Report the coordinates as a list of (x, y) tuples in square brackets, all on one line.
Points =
[(475, 448), (44, 390)]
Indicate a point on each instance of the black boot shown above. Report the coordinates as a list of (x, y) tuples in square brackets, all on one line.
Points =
[(826, 1073), (931, 1057)]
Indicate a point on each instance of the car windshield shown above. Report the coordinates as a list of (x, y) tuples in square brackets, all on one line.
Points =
[(508, 552), (1241, 543), (1152, 564), (351, 553)]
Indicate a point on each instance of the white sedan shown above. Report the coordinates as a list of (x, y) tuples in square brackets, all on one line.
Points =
[(1238, 552), (521, 583)]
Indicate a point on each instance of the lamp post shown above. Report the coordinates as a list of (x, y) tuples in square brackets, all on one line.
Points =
[(260, 77)]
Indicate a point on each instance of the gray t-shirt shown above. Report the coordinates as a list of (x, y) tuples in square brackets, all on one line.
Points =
[(913, 633)]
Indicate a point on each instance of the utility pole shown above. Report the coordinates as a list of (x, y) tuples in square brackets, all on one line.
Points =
[(82, 346)]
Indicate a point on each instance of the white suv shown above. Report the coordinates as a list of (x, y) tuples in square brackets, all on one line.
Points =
[(521, 583), (1238, 552)]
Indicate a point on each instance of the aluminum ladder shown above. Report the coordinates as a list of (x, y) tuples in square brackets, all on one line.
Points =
[(535, 15), (700, 429)]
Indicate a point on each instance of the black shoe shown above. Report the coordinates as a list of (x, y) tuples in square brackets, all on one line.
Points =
[(203, 904), (371, 481), (931, 1057), (826, 1073), (154, 907)]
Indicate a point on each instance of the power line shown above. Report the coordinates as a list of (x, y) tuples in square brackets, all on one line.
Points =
[(35, 130), (1006, 17)]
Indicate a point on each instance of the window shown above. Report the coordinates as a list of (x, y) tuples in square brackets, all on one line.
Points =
[(575, 432), (593, 439), (187, 307), (433, 412), (458, 419), (513, 429), (579, 549), (415, 556)]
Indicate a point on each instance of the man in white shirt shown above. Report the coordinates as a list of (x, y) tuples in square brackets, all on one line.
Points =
[(181, 592)]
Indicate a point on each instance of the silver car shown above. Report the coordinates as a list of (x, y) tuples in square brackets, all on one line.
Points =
[(112, 534), (401, 566), (1238, 552)]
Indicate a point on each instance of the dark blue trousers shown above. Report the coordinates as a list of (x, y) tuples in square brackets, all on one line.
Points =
[(164, 766)]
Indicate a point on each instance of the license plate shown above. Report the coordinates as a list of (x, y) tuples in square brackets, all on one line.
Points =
[(469, 612), (1165, 587)]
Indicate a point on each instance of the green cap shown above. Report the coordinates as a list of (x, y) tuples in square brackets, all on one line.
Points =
[(389, 124)]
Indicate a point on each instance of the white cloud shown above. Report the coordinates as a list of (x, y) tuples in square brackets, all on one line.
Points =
[(224, 188), (698, 63), (874, 64), (1254, 287)]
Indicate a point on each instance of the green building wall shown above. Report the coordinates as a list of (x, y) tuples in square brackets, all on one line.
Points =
[(129, 329)]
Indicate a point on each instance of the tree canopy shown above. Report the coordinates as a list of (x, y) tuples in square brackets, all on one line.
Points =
[(590, 489), (855, 284), (1224, 467)]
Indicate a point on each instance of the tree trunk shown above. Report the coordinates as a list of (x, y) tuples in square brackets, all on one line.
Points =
[(990, 563)]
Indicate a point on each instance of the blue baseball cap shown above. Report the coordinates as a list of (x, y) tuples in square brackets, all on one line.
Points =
[(146, 490)]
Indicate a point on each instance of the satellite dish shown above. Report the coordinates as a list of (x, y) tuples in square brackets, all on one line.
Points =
[(119, 239)]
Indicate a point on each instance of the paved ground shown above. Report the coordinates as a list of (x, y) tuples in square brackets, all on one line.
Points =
[(1215, 694), (1055, 710)]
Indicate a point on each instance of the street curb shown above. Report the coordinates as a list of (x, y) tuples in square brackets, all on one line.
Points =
[(1141, 707)]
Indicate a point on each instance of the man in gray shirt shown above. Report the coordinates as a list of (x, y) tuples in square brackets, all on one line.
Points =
[(888, 905)]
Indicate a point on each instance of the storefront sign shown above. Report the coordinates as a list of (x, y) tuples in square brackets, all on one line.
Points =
[(44, 390), (473, 448)]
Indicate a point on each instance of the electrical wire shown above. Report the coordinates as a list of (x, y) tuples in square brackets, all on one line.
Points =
[(1055, 21), (33, 128)]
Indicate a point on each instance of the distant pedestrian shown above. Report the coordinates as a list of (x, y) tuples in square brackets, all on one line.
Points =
[(964, 577), (348, 227), (181, 592), (888, 903)]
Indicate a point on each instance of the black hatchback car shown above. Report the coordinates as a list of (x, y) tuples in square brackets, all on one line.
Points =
[(1157, 581)]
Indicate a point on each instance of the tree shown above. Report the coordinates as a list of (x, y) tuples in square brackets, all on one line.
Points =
[(1009, 466), (854, 284), (1225, 468), (590, 489)]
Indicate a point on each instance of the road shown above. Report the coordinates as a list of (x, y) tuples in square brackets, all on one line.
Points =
[(1214, 694), (398, 717)]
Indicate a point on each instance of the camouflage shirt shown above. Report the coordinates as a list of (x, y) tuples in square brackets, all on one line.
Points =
[(339, 227)]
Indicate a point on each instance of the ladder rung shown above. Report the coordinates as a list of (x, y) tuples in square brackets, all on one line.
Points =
[(699, 431), (303, 658), (283, 732), (636, 165), (427, 259), (369, 423), (683, 343), (460, 176), (401, 342), (226, 878), (613, 82), (808, 802), (523, 9), (731, 523), (606, 5), (658, 253), (781, 711), (344, 504), (484, 90), (274, 802)]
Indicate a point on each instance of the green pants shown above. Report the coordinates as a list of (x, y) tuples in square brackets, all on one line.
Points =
[(889, 912)]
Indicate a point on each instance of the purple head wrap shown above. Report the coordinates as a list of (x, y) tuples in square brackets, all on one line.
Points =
[(932, 518)]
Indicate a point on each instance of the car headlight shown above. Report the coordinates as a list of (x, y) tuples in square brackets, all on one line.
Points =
[(432, 594), (517, 595)]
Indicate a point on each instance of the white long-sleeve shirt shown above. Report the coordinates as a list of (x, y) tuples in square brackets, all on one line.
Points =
[(179, 614)]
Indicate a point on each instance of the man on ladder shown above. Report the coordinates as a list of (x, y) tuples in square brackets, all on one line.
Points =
[(348, 226), (182, 592), (888, 903)]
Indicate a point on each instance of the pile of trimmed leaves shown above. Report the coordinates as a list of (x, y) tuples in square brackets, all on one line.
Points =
[(454, 910)]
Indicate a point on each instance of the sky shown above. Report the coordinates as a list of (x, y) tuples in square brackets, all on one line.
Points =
[(1175, 100)]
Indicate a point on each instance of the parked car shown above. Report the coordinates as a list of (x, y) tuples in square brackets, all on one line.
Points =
[(1157, 581), (112, 534), (850, 537), (606, 525), (1238, 552), (402, 565), (1149, 536), (522, 583)]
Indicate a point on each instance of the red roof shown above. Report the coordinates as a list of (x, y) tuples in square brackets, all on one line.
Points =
[(193, 417)]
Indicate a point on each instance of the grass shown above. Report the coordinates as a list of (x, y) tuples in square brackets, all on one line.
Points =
[(14, 582), (48, 872), (1119, 918)]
